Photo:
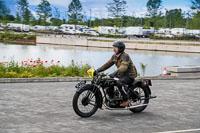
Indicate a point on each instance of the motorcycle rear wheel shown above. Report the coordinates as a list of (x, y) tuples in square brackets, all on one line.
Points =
[(144, 99)]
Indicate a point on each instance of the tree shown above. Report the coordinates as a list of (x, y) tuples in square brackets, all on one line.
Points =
[(44, 12), (3, 10), (57, 13), (175, 18), (23, 9), (153, 7), (196, 16), (117, 9), (75, 12), (18, 18), (56, 19), (195, 5)]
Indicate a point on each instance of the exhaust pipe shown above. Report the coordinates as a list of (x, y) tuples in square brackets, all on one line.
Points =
[(126, 108)]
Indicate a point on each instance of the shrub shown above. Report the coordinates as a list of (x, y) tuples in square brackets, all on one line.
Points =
[(36, 68)]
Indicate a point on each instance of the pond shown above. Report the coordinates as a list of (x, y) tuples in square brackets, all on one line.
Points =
[(96, 57)]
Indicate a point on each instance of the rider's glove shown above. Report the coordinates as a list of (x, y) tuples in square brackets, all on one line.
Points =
[(112, 75), (95, 72)]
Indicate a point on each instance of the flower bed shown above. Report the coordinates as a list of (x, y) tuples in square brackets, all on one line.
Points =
[(37, 69)]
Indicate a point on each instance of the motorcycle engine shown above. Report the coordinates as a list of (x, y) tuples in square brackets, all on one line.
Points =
[(113, 97)]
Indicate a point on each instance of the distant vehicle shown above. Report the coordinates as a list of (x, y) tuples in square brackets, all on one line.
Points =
[(169, 35), (58, 29), (134, 31), (92, 32), (72, 29), (178, 31), (193, 32), (148, 32), (18, 27), (39, 28), (107, 30), (1, 28), (164, 31)]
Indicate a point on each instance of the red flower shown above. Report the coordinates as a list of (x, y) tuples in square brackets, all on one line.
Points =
[(41, 64), (51, 66), (31, 61), (48, 68), (22, 62), (26, 64), (58, 61), (62, 72), (46, 61), (52, 61), (34, 65)]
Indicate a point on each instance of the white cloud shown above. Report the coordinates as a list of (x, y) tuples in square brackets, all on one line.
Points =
[(53, 2)]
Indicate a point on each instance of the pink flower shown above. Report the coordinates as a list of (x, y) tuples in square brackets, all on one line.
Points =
[(58, 61)]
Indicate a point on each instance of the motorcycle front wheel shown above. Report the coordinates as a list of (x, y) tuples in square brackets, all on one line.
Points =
[(85, 103)]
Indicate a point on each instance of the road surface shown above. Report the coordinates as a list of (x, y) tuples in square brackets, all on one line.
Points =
[(47, 108)]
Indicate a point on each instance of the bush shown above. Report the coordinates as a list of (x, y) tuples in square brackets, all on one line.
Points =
[(37, 68), (9, 36)]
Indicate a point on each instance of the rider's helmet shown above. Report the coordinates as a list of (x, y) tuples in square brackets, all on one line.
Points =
[(120, 45)]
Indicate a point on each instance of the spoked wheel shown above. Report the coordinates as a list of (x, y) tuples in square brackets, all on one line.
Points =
[(143, 99), (85, 103)]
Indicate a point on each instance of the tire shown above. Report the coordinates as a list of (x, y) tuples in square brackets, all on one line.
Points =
[(146, 100), (76, 107)]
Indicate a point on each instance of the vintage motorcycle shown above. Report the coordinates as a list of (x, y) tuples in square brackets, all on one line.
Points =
[(102, 91)]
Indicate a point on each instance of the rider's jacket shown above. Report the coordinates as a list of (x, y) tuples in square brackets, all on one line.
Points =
[(124, 64)]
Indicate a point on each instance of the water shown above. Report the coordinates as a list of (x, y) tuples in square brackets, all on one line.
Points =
[(97, 56)]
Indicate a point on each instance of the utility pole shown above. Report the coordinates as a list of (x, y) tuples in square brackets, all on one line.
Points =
[(90, 17)]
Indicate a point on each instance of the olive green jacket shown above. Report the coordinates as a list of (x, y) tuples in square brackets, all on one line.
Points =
[(124, 64)]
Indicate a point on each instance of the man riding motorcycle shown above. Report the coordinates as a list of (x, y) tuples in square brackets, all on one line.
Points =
[(126, 70)]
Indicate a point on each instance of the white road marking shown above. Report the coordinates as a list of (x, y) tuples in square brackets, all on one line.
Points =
[(181, 131)]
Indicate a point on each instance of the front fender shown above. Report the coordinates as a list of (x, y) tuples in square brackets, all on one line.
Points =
[(94, 89)]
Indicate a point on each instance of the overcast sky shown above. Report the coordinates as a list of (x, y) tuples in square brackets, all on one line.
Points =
[(134, 7)]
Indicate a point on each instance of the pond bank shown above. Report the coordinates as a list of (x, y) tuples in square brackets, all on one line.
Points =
[(150, 45), (24, 39)]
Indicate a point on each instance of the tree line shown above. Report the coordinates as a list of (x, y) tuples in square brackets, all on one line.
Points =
[(155, 17)]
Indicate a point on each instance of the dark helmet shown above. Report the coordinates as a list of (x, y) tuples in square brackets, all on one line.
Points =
[(120, 45)]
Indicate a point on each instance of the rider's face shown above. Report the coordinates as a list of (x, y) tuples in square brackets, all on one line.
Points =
[(116, 50)]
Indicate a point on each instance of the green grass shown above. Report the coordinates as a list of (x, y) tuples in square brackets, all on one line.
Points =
[(40, 69), (9, 36), (186, 38)]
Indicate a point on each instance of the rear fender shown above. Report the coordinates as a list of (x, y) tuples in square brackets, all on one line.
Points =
[(143, 83)]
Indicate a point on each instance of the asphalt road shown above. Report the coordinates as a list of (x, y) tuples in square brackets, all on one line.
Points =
[(47, 108)]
